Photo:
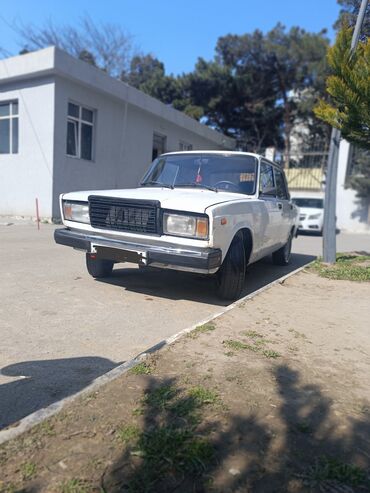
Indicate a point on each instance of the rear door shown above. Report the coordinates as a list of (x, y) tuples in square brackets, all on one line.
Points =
[(284, 205)]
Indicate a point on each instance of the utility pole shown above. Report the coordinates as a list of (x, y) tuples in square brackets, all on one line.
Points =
[(329, 229)]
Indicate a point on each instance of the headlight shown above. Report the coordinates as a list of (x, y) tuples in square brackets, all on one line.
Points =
[(315, 216), (76, 211), (183, 225)]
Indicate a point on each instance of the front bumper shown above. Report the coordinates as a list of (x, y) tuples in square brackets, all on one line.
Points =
[(202, 260), (310, 225)]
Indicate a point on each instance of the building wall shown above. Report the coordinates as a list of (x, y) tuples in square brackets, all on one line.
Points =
[(352, 213), (28, 174), (122, 143)]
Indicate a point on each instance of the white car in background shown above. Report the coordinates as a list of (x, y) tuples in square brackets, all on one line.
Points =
[(311, 213)]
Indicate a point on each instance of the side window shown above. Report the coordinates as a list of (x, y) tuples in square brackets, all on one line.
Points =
[(267, 183), (281, 190), (9, 127), (80, 132)]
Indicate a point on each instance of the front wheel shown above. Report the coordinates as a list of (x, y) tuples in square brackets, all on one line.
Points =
[(98, 268), (282, 256), (231, 275)]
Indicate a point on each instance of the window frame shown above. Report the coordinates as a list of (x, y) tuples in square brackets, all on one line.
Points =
[(11, 117), (260, 193), (287, 195), (80, 121)]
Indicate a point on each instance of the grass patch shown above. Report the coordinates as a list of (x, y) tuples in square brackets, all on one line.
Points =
[(141, 369), (349, 267), (171, 448), (235, 345), (28, 470), (127, 433), (169, 451), (256, 347), (252, 334), (269, 353), (201, 329), (160, 398), (75, 486), (331, 469), (203, 395)]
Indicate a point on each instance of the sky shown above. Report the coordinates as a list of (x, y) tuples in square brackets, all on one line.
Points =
[(177, 32)]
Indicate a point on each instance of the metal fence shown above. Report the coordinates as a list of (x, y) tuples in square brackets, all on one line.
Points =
[(305, 169)]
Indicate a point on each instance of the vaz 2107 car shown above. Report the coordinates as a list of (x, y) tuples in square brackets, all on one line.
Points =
[(210, 212)]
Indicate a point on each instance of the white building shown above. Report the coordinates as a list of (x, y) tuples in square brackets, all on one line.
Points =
[(65, 125)]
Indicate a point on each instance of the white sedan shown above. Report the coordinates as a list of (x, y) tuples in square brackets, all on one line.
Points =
[(210, 212), (311, 213)]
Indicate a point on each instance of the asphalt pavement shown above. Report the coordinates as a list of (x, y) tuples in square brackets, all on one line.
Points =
[(60, 329)]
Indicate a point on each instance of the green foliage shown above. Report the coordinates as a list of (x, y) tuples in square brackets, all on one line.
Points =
[(347, 267), (141, 369), (172, 447), (332, 469), (75, 486), (246, 90), (201, 329), (28, 470), (349, 88), (127, 433), (148, 75)]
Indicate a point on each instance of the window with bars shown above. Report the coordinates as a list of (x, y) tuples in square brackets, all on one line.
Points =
[(80, 131), (9, 127)]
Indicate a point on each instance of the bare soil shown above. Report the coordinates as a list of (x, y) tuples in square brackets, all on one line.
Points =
[(273, 397)]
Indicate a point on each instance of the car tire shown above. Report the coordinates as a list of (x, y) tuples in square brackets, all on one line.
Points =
[(282, 256), (231, 275), (98, 268)]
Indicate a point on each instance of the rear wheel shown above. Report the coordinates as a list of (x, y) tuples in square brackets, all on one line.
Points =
[(282, 256), (98, 267), (231, 275)]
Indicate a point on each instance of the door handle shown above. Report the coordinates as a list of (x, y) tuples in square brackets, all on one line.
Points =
[(280, 205)]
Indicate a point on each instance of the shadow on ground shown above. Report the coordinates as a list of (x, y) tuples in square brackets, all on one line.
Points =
[(182, 446), (176, 285), (45, 382)]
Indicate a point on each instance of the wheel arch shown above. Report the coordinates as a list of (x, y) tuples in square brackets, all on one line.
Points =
[(247, 238)]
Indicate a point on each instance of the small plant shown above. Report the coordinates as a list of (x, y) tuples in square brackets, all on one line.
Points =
[(235, 345), (201, 329), (128, 433), (269, 353), (252, 334), (203, 395), (28, 470), (141, 369), (229, 354), (75, 486)]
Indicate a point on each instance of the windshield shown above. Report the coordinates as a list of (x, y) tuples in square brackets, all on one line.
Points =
[(232, 173), (310, 203)]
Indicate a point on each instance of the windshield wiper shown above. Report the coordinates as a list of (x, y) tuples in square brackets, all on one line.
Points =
[(200, 185), (153, 182)]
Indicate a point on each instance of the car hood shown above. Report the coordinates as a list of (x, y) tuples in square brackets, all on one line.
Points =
[(181, 199), (310, 210)]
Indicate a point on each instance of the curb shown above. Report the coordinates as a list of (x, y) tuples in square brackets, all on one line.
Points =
[(42, 414)]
